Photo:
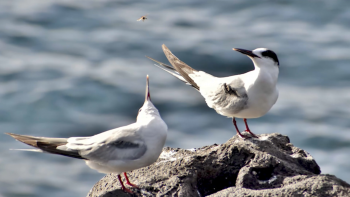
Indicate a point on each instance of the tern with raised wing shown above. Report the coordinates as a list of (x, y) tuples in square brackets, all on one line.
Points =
[(116, 151), (248, 95)]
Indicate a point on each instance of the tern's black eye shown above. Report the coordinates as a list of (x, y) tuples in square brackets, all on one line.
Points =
[(271, 55)]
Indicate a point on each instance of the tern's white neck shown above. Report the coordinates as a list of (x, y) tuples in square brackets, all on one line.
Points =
[(147, 113), (264, 69)]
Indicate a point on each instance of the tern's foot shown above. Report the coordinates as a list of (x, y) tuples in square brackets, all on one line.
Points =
[(252, 134), (126, 190), (128, 181), (243, 136), (132, 185)]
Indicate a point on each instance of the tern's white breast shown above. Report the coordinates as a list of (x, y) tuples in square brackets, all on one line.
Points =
[(262, 94)]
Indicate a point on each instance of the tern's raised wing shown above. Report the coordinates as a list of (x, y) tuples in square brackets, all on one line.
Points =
[(168, 69), (180, 66)]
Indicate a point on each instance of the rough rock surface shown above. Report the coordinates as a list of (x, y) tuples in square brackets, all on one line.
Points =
[(268, 166)]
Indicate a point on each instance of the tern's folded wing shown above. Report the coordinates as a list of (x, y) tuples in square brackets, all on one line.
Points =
[(123, 143), (228, 94)]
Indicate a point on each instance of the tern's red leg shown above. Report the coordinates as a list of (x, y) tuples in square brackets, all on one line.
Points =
[(128, 182), (247, 128), (123, 187), (238, 133)]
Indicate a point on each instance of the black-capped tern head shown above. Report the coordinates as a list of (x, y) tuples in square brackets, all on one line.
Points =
[(148, 109), (261, 56)]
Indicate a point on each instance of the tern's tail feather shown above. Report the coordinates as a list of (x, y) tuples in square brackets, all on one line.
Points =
[(180, 66), (47, 144)]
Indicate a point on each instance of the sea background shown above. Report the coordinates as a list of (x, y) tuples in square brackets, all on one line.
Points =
[(78, 68)]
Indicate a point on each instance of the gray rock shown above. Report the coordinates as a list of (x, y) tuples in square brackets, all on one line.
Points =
[(268, 166)]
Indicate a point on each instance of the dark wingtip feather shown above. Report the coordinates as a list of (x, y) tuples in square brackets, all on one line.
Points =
[(48, 145), (25, 139), (161, 63)]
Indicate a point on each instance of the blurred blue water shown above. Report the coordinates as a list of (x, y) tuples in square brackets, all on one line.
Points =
[(77, 68)]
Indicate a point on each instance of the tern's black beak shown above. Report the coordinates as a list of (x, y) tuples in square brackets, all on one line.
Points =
[(148, 96), (246, 52)]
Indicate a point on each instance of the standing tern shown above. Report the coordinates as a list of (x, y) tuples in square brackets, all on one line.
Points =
[(118, 150), (249, 95)]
